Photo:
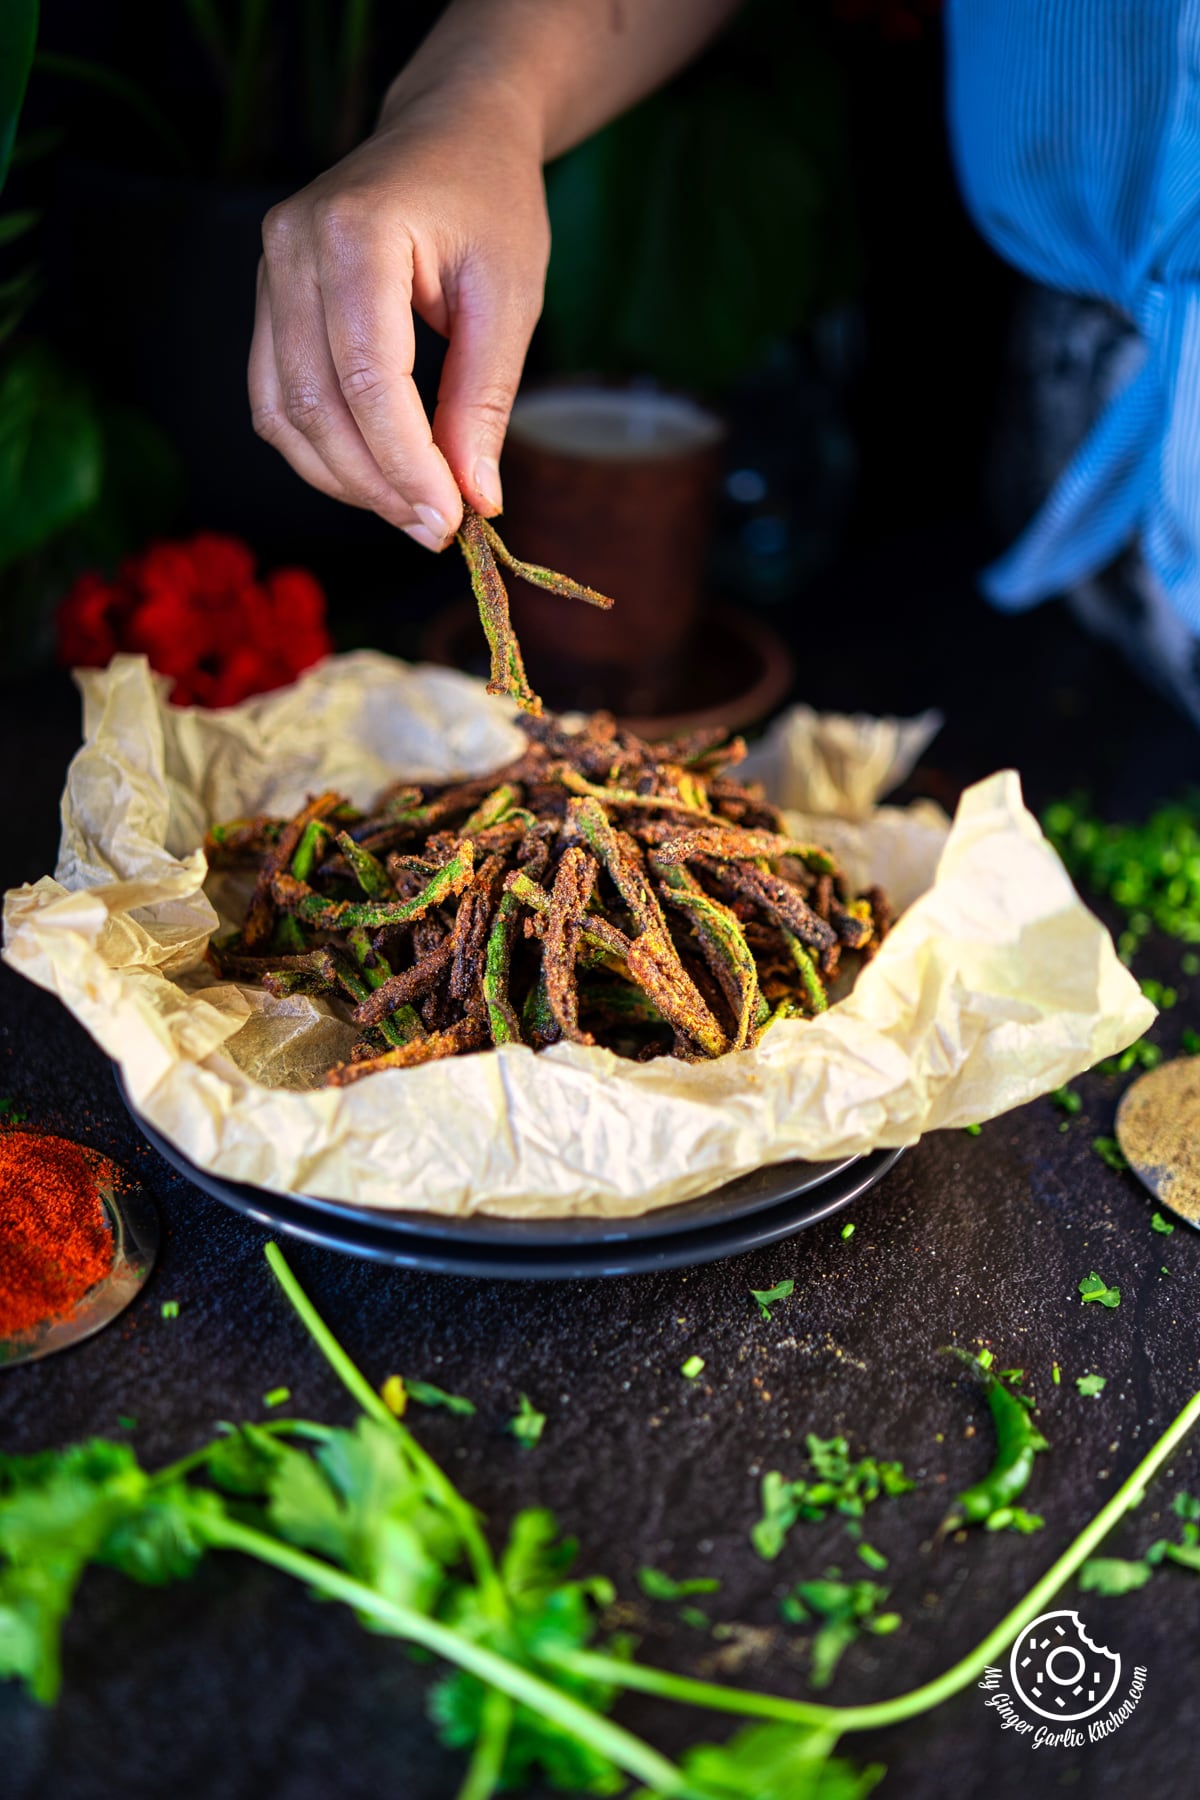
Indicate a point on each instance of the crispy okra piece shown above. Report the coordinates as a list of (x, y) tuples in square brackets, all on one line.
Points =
[(732, 843), (369, 872), (288, 936), (537, 1020), (377, 972), (508, 668), (309, 849), (491, 810), (343, 915), (576, 783), (468, 1034), (260, 917), (722, 943), (771, 894), (400, 990), (573, 885), (503, 1023), (806, 968), (539, 577), (596, 930)]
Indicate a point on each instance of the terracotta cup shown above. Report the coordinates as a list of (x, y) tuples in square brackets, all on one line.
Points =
[(613, 486)]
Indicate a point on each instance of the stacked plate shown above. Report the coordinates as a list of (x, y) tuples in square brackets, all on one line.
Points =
[(743, 1215)]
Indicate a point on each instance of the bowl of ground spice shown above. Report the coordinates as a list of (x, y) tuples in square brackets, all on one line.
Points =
[(77, 1241)]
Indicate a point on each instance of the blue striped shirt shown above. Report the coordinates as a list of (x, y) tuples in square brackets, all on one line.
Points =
[(1076, 127)]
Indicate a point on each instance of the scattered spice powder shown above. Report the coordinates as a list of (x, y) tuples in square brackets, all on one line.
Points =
[(55, 1238)]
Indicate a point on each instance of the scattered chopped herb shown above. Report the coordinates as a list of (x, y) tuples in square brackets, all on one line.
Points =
[(1151, 871), (1015, 1376), (691, 1615), (1158, 1223), (1109, 1151), (848, 1229), (836, 1485), (1091, 1386), (1140, 1055), (527, 1424), (844, 1609), (1092, 1288), (985, 1358), (1189, 963), (874, 1559), (1163, 1269), (1184, 1506), (1055, 1374), (170, 1309), (657, 1586), (425, 1394), (277, 1396), (1067, 1100), (127, 1422), (767, 1297), (1189, 1041), (1158, 995), (11, 1113), (1111, 1575), (692, 1367), (972, 1130)]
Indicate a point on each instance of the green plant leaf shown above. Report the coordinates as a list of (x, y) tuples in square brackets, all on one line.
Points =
[(775, 1762), (51, 456), (1113, 1575), (18, 41)]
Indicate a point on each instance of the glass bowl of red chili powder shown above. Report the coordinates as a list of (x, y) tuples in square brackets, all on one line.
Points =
[(77, 1241)]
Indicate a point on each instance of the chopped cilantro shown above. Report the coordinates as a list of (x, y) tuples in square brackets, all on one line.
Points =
[(837, 1485), (766, 1297), (1013, 1518), (985, 1358), (1109, 1151), (277, 1396), (127, 1422), (657, 1586), (425, 1394), (1015, 1376), (691, 1615), (1055, 1374), (11, 1113), (692, 1367), (1158, 1223), (1158, 995), (170, 1309), (972, 1130), (527, 1424), (1110, 1575), (1091, 1386), (874, 1559), (1189, 963), (842, 1610), (1067, 1100), (848, 1229), (1189, 1041), (1184, 1506), (1141, 1055), (1092, 1288)]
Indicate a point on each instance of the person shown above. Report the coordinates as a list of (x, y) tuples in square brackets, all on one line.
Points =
[(1075, 128)]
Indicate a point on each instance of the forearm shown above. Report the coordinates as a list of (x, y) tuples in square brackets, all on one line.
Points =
[(568, 66)]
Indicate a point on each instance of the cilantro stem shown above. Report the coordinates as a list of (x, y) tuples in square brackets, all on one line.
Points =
[(608, 1739), (487, 1761), (905, 1706), (465, 1518), (196, 1459)]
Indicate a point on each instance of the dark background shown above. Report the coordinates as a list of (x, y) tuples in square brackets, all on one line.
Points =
[(873, 423)]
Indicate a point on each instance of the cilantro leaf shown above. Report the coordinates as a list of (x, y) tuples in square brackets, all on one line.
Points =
[(775, 1762), (1091, 1385), (1110, 1152), (838, 1485), (528, 1423), (1184, 1506), (844, 1609), (425, 1394), (1067, 1100), (1110, 1575), (692, 1367), (658, 1586), (1092, 1288), (766, 1297), (1158, 1223)]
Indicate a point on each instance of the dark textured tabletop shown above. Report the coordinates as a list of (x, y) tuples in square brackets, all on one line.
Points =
[(236, 1685)]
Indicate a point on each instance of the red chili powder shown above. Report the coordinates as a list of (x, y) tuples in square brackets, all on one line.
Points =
[(55, 1239)]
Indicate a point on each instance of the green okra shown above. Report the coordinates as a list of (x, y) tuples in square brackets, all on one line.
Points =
[(376, 969), (312, 842), (502, 1018), (810, 980), (491, 810), (343, 915), (721, 939), (288, 937), (369, 872)]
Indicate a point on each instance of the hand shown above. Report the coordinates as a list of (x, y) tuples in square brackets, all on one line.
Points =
[(442, 210)]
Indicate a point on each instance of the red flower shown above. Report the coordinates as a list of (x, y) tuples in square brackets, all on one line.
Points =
[(198, 613)]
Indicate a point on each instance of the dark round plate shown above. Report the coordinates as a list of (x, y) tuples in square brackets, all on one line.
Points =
[(737, 1199), (378, 1239)]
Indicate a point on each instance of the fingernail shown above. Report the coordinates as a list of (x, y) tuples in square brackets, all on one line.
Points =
[(486, 481), (433, 530)]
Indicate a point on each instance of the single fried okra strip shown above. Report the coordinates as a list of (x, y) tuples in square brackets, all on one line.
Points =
[(810, 980), (342, 915), (576, 783), (508, 668), (468, 1034), (369, 872), (377, 972), (491, 810), (399, 991), (573, 885), (721, 941), (731, 843), (539, 577), (260, 916), (503, 1023), (778, 898), (597, 931)]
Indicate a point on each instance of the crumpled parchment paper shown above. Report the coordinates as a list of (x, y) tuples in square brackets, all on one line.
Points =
[(996, 985)]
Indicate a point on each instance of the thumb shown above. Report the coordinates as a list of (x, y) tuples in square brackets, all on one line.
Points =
[(489, 337)]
